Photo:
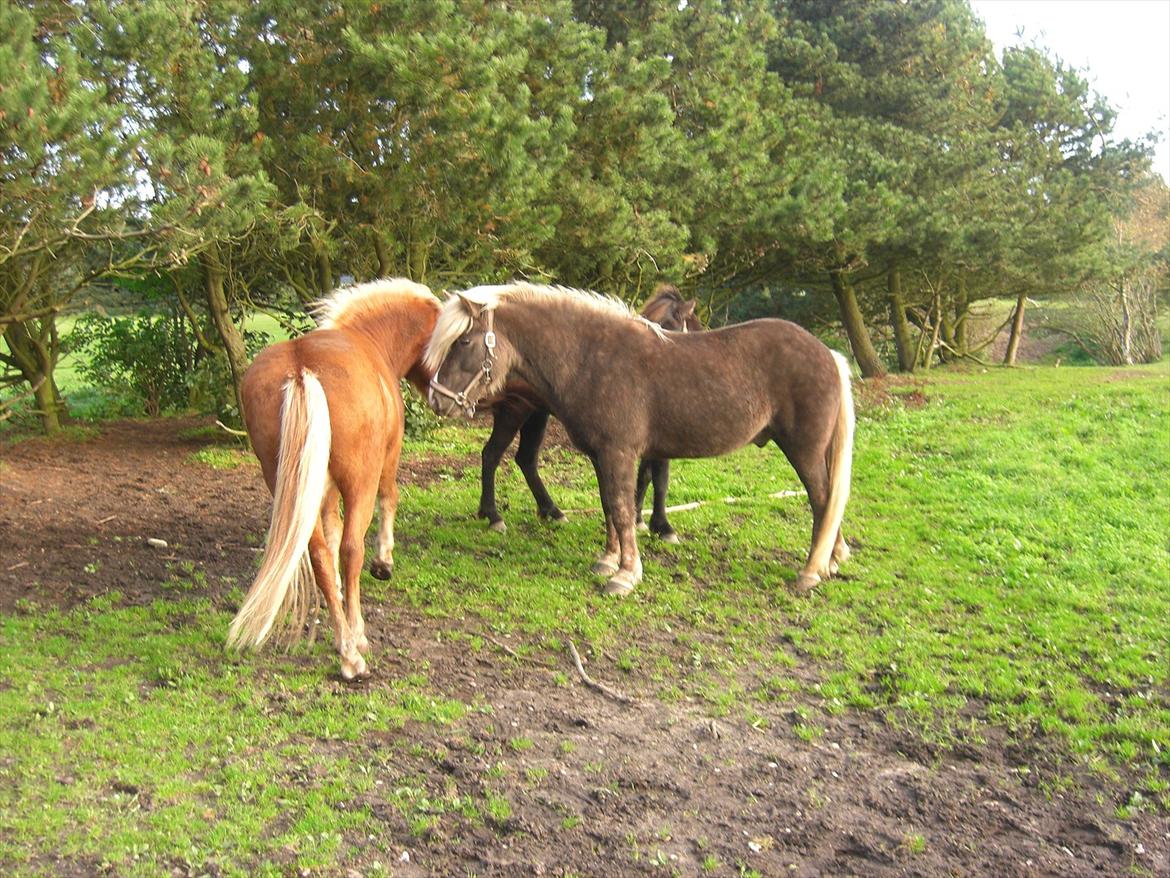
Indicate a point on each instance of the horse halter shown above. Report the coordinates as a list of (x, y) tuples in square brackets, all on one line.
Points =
[(484, 374)]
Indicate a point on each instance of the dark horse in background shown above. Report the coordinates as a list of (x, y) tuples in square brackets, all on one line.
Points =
[(625, 389), (522, 411)]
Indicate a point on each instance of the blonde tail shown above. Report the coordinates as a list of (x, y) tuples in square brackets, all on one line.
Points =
[(840, 458), (284, 586)]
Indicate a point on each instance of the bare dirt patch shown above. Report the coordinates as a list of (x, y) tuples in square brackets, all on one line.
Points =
[(594, 787)]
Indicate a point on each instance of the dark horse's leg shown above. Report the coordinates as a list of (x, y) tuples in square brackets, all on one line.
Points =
[(657, 471), (660, 473), (643, 483), (531, 439), (507, 417), (615, 481)]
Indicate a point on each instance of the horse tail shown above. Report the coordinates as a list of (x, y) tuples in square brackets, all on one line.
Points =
[(284, 585), (840, 461)]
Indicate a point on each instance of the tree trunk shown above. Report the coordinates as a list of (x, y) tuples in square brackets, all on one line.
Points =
[(36, 360), (229, 333), (962, 309), (1126, 324), (325, 280), (383, 255), (418, 260), (1009, 358), (863, 350), (898, 322)]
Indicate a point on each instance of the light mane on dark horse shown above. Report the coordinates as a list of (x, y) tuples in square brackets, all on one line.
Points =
[(521, 411), (624, 391), (325, 416)]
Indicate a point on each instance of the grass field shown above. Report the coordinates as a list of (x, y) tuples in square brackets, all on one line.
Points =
[(1011, 571)]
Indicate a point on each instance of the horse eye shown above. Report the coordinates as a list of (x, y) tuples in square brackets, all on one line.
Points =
[(465, 339)]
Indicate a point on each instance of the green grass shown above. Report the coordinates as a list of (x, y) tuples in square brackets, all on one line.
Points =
[(132, 738), (1011, 569), (218, 457)]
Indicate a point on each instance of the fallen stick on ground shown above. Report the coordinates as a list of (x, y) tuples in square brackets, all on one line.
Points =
[(507, 649), (229, 430), (695, 504), (593, 684)]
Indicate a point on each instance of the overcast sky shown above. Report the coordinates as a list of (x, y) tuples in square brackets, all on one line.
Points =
[(1123, 47)]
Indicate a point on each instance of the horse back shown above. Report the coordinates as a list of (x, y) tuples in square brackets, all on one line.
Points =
[(365, 404)]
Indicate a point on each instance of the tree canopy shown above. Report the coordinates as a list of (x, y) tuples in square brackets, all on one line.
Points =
[(875, 158)]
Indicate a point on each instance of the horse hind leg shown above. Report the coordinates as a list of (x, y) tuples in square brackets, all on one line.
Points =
[(659, 525), (321, 558), (506, 421), (813, 471), (359, 512), (331, 527), (527, 455)]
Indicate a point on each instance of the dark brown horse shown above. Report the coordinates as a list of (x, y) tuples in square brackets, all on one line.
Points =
[(522, 411), (325, 416), (625, 389)]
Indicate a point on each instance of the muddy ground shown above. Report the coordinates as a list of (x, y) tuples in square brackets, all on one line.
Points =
[(643, 788)]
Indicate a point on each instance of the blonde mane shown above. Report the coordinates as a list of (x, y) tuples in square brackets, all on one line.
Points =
[(348, 305), (455, 319)]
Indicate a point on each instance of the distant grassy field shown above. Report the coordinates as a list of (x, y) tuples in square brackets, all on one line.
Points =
[(1011, 570)]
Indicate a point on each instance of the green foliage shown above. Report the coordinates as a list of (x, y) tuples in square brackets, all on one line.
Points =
[(421, 422), (148, 358), (153, 362)]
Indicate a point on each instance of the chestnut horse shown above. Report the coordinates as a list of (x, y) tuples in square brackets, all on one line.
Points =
[(521, 411), (325, 416), (626, 389)]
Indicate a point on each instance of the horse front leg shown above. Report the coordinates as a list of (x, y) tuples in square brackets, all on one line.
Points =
[(382, 567), (615, 479), (643, 482), (507, 417)]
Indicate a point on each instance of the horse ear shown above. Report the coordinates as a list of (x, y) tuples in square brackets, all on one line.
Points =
[(473, 308), (688, 307)]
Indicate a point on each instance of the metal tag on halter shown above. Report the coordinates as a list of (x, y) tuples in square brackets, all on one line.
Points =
[(489, 340)]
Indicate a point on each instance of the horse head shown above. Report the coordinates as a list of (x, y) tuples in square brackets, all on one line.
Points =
[(669, 310), (465, 356)]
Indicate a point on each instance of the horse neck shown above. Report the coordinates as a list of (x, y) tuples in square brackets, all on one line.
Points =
[(400, 337), (550, 344)]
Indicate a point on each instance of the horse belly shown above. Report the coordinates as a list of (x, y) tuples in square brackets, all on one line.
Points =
[(704, 432)]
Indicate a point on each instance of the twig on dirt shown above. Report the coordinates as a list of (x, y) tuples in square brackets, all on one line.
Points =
[(505, 648), (17, 566), (593, 684), (229, 430), (108, 518)]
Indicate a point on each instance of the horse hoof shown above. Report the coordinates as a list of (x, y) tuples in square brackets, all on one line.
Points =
[(380, 569), (834, 567), (558, 518), (619, 586), (498, 526), (670, 537), (605, 567), (643, 526), (354, 669), (806, 582), (362, 644)]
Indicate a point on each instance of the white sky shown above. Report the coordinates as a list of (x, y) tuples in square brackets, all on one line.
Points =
[(1121, 46)]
